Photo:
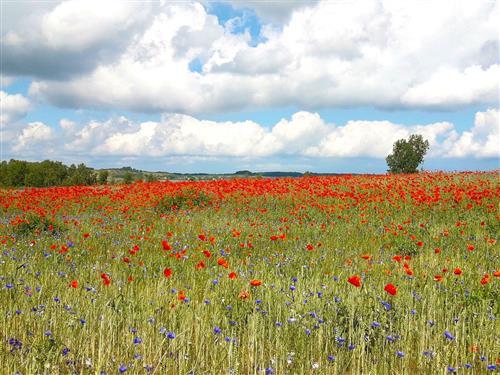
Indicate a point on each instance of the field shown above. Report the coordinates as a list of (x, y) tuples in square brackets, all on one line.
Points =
[(328, 275)]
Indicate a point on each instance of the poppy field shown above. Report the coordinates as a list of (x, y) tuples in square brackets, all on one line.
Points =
[(374, 274)]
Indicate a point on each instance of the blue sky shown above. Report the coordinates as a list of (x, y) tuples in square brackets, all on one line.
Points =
[(221, 86)]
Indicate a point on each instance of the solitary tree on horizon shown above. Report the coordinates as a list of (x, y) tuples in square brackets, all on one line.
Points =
[(407, 155)]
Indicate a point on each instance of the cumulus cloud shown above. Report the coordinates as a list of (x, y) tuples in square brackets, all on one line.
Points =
[(59, 40), (273, 11), (35, 134), (305, 134), (482, 140), (386, 54), (12, 108)]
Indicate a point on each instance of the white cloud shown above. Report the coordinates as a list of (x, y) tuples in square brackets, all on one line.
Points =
[(482, 141), (35, 134), (305, 135), (330, 53), (273, 11), (63, 39), (12, 108), (450, 87)]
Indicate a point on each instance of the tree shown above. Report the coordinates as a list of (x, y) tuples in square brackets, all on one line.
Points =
[(407, 155), (102, 177), (128, 178)]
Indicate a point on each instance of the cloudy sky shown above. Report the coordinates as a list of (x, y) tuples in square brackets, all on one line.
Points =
[(207, 86)]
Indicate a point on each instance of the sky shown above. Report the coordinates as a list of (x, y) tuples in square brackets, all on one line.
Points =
[(202, 86)]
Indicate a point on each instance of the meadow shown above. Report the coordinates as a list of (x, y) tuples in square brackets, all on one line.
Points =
[(379, 274)]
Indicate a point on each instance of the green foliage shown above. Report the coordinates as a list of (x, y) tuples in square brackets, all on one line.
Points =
[(151, 177), (20, 173), (128, 178), (102, 177), (184, 199), (407, 155)]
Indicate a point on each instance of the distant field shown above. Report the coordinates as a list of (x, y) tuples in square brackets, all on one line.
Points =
[(327, 275)]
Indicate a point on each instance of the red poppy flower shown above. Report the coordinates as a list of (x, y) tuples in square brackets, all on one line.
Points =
[(485, 279), (222, 262), (355, 280), (397, 258), (74, 284), (167, 272), (457, 271), (166, 245), (391, 289), (255, 282), (470, 247), (310, 247), (233, 275)]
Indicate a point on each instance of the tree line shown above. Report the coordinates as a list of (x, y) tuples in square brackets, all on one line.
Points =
[(19, 173)]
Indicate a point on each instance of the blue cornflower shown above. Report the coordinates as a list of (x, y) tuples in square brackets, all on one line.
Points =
[(400, 354), (294, 279), (483, 358), (448, 335), (375, 324), (351, 347), (227, 339), (171, 335), (278, 324), (269, 371), (308, 331), (122, 369), (217, 330), (137, 340), (452, 369), (387, 305), (65, 352), (48, 333), (337, 299), (9, 286), (331, 358), (491, 367), (467, 365), (215, 282), (292, 287), (390, 338)]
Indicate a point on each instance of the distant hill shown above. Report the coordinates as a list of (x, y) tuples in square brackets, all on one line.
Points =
[(119, 174)]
